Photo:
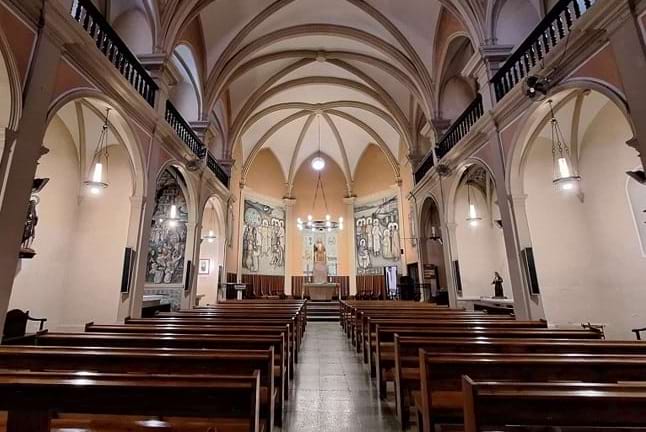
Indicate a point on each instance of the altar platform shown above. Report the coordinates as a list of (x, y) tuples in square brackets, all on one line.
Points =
[(320, 291)]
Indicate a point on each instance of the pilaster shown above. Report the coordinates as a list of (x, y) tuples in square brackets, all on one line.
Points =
[(23, 153), (350, 238), (290, 237)]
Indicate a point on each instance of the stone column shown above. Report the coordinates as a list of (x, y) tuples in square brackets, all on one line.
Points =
[(23, 153), (627, 43), (350, 238), (525, 306), (137, 210), (136, 295), (451, 253), (290, 235)]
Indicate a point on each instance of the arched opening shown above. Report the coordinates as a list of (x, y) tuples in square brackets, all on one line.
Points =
[(432, 247), (514, 20), (212, 248), (478, 235), (82, 229), (186, 95), (165, 276), (456, 90), (586, 240)]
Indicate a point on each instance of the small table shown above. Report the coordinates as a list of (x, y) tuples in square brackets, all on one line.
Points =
[(320, 291)]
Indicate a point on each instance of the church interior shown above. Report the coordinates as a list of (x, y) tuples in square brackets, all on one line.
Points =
[(322, 215)]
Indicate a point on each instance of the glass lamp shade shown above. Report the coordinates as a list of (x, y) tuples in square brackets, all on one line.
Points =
[(318, 163), (473, 218), (564, 176), (210, 237), (96, 183)]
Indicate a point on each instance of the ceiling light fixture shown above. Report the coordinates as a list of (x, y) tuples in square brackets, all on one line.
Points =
[(98, 179), (472, 217), (318, 163), (565, 176)]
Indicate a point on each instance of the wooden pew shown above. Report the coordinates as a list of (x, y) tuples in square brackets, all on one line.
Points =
[(384, 347), (440, 401), (246, 315), (369, 340), (407, 373), (292, 333), (165, 340), (231, 402), (494, 405), (200, 330), (149, 361)]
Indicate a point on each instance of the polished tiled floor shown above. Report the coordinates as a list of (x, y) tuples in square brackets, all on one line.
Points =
[(332, 390)]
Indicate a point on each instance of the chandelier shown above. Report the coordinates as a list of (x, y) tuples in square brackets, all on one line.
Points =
[(565, 176), (321, 225), (98, 180)]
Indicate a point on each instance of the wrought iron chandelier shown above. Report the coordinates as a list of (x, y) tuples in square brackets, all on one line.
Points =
[(320, 225), (99, 178), (565, 176)]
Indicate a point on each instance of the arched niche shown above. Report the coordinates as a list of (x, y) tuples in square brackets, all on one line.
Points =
[(431, 246), (170, 238), (586, 241), (80, 237), (477, 234), (133, 21), (210, 268), (513, 21), (186, 95), (455, 90)]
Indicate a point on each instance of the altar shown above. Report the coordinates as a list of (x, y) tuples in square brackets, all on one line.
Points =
[(320, 291)]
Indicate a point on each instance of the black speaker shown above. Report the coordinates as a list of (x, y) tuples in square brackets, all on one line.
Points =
[(529, 265), (456, 274), (188, 278), (128, 268)]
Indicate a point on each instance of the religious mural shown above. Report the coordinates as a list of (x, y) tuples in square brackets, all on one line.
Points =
[(377, 236), (329, 241), (263, 239), (168, 236)]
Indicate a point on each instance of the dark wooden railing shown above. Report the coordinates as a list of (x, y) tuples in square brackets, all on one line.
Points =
[(115, 50), (216, 169), (460, 127), (550, 31), (184, 131), (424, 167)]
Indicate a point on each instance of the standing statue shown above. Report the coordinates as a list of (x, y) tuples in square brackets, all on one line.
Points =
[(29, 230), (320, 254), (497, 286)]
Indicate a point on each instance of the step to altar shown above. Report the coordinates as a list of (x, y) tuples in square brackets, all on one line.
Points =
[(323, 310)]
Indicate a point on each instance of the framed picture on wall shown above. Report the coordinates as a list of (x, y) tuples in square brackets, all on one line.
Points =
[(205, 267)]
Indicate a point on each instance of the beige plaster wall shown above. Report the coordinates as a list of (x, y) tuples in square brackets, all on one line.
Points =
[(588, 257)]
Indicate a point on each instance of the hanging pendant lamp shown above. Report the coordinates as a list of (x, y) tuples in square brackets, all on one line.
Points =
[(565, 176), (318, 163), (210, 237), (99, 172), (472, 217)]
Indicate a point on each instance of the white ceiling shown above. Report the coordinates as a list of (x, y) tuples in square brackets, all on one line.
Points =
[(343, 53)]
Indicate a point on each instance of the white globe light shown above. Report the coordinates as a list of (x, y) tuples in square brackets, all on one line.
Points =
[(318, 163)]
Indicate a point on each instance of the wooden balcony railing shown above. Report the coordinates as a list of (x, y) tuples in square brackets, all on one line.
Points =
[(115, 50), (217, 170), (460, 127), (550, 31), (424, 167), (184, 131)]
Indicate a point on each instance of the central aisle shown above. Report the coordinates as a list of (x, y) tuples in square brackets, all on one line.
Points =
[(332, 390)]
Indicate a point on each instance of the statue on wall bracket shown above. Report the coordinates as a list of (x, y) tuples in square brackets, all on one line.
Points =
[(29, 230)]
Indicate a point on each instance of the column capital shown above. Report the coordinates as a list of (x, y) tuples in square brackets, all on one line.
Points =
[(518, 198), (349, 200), (161, 69), (289, 201)]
